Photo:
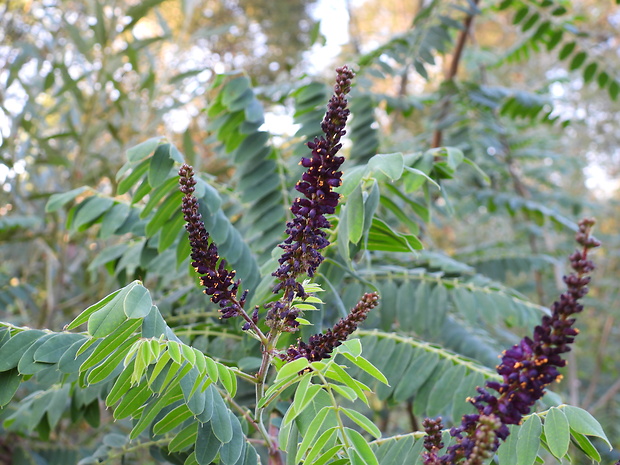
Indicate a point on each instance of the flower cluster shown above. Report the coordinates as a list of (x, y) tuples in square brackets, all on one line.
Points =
[(305, 231), (527, 368), (218, 281), (321, 345), (432, 440)]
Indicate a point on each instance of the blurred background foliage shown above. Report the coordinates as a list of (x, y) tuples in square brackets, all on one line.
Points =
[(527, 89)]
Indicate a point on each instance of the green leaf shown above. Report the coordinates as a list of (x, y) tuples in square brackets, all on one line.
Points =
[(530, 22), (602, 79), (85, 315), (485, 177), (589, 72), (137, 302), (578, 60), (350, 346), (12, 351), (107, 319), (251, 147), (166, 210), (159, 366), (172, 419), (338, 373), (567, 49), (234, 89), (53, 349), (363, 422), (232, 450), (220, 420), (351, 178), (228, 379), (507, 452), (312, 432), (57, 201), (584, 423), (422, 175), (414, 376), (443, 389), (110, 343), (522, 13), (128, 182), (160, 165), (355, 215), (323, 439), (328, 455), (90, 210), (391, 164), (185, 438), (368, 367), (132, 401), (101, 372), (292, 368), (110, 315), (555, 39), (585, 445), (300, 392), (207, 444), (210, 395), (9, 383), (614, 90), (27, 365), (120, 387), (361, 447), (382, 237), (71, 360), (308, 396), (156, 195), (172, 395), (557, 432), (143, 149), (175, 351), (138, 11), (113, 220), (254, 112), (529, 441), (559, 11), (190, 384)]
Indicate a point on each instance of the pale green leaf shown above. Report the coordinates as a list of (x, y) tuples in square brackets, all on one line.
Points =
[(143, 149), (584, 423), (390, 164), (362, 421), (557, 432), (529, 441)]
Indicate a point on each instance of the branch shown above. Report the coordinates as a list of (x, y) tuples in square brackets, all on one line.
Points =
[(452, 71)]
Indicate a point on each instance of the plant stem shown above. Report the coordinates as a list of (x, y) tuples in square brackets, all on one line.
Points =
[(452, 71), (336, 408)]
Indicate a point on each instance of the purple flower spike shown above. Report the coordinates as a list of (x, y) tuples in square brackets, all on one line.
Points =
[(217, 280), (306, 237), (432, 440), (527, 368), (321, 345)]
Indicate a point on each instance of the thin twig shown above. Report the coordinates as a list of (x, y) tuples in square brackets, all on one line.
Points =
[(452, 71)]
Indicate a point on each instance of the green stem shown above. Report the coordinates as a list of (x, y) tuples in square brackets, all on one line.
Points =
[(335, 406), (428, 347)]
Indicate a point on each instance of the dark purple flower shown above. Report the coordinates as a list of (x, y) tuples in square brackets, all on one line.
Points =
[(217, 280), (432, 440), (527, 368), (321, 345), (306, 237)]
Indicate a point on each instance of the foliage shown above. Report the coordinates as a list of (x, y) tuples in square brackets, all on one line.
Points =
[(158, 373)]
